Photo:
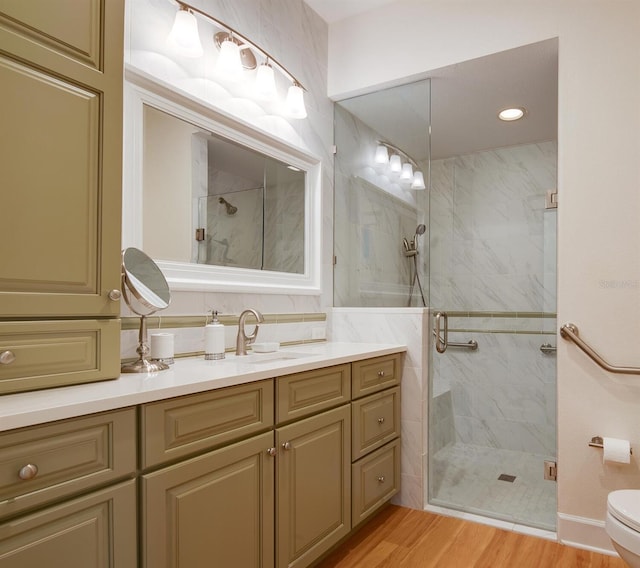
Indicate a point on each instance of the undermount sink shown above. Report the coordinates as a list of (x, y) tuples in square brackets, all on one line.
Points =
[(257, 358)]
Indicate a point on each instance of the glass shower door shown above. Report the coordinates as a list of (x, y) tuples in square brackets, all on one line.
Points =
[(492, 409)]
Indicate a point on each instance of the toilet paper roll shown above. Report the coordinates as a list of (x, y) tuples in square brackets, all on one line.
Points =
[(616, 450)]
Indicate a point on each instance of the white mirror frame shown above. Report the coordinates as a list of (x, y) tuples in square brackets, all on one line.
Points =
[(140, 90)]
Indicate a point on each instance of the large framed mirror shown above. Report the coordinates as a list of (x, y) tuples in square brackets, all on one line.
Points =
[(218, 204)]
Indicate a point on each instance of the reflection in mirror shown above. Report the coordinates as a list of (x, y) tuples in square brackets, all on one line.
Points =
[(219, 204), (227, 205), (145, 291)]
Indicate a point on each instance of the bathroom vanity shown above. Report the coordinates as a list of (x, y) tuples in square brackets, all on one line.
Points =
[(263, 460)]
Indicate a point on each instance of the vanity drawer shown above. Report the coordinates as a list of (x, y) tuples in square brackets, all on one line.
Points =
[(306, 393), (64, 458), (373, 375), (182, 426), (42, 354), (376, 421), (375, 479)]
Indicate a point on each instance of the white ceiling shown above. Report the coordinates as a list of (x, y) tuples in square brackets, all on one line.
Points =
[(465, 100)]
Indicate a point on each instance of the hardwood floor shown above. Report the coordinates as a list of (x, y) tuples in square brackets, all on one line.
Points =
[(404, 538)]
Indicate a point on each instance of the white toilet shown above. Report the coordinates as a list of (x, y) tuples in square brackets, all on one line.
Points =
[(623, 524)]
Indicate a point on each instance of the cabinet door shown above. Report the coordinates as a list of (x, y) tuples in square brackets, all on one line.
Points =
[(60, 156), (215, 510), (314, 486), (94, 531)]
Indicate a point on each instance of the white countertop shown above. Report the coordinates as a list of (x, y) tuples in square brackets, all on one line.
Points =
[(186, 376)]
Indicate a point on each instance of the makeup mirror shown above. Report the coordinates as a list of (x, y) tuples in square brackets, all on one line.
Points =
[(145, 291)]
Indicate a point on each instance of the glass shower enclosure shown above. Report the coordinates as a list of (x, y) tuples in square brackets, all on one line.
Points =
[(477, 248)]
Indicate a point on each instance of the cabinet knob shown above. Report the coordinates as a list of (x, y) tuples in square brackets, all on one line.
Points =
[(381, 374), (287, 445), (28, 471), (115, 295), (271, 452), (7, 357), (381, 479), (381, 420)]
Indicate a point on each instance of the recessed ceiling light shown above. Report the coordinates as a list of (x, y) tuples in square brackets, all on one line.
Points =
[(510, 114)]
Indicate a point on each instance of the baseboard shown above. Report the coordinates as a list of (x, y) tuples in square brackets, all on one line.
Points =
[(581, 532)]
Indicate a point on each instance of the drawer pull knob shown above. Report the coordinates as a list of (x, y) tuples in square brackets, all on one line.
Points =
[(7, 357), (272, 452), (381, 420), (381, 479), (381, 374), (28, 471), (287, 445), (115, 295)]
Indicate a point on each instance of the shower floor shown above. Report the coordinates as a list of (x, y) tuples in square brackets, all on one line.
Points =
[(465, 477)]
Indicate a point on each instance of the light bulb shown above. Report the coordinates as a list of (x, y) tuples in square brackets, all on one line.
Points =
[(407, 172), (382, 155), (229, 61), (418, 180), (395, 164), (295, 102), (265, 81), (184, 37)]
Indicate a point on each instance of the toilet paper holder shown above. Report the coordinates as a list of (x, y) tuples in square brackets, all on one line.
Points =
[(598, 442)]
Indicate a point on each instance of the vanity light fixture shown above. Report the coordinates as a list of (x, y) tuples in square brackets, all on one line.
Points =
[(382, 154), (511, 114), (395, 164), (237, 53), (400, 163), (184, 37), (266, 81)]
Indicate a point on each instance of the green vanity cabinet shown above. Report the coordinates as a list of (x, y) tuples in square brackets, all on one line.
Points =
[(212, 510), (68, 493), (313, 509), (61, 71)]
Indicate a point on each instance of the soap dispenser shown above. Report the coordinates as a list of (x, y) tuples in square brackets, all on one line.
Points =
[(214, 339)]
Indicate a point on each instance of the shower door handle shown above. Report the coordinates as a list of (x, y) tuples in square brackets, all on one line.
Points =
[(441, 340)]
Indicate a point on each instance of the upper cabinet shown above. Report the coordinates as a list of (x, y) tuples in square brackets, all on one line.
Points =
[(61, 101), (61, 67)]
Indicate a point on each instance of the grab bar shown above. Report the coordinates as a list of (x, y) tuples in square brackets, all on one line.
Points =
[(548, 349), (569, 331), (442, 342)]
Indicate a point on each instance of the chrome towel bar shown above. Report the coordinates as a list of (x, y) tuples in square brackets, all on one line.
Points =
[(569, 331)]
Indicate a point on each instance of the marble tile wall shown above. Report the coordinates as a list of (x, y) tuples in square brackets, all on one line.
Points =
[(493, 268)]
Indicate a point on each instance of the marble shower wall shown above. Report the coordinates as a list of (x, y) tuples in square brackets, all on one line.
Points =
[(372, 216), (297, 37), (490, 233), (493, 269)]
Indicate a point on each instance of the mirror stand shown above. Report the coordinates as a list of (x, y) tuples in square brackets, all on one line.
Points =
[(145, 290), (142, 364)]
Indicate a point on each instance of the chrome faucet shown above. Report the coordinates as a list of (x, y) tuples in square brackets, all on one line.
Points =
[(243, 340)]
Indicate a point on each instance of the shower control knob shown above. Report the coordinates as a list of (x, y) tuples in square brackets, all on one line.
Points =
[(381, 479), (381, 374), (7, 357), (381, 420), (115, 295)]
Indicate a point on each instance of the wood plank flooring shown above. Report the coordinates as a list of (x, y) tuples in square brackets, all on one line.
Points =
[(405, 538)]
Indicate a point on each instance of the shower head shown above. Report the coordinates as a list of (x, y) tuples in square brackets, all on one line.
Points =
[(420, 229), (231, 209)]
